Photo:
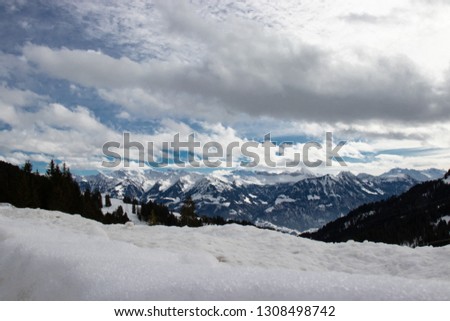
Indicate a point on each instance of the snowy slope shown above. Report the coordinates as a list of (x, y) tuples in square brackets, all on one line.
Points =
[(127, 208), (53, 256)]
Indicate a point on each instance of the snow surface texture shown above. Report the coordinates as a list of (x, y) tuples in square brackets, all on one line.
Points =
[(54, 256)]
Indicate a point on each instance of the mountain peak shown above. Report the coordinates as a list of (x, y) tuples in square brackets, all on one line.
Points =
[(346, 174), (418, 175)]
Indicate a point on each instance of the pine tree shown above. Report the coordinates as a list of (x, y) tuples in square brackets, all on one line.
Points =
[(27, 167), (51, 168), (97, 197), (87, 193), (447, 174), (138, 213), (57, 172), (119, 211), (66, 171), (188, 215), (153, 220), (107, 201)]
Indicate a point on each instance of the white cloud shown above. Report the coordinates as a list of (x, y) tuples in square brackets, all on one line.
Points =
[(234, 69), (48, 129), (261, 79), (11, 65), (19, 98)]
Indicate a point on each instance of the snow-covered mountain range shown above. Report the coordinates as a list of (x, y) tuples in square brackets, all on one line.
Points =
[(299, 200)]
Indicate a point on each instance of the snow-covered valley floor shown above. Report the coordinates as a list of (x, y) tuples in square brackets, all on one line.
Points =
[(54, 256)]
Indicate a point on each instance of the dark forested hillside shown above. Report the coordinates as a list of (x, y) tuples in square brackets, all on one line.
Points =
[(56, 190), (417, 217)]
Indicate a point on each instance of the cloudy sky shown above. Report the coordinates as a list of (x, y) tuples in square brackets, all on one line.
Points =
[(76, 74)]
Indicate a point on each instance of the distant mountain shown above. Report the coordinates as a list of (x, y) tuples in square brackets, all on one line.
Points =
[(421, 176), (420, 216), (299, 200), (313, 202), (117, 183)]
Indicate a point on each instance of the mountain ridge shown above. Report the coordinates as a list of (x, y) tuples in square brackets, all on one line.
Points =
[(417, 217), (300, 200)]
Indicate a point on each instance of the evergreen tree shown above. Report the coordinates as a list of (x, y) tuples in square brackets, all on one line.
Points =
[(188, 215), (57, 172), (119, 211), (27, 167), (138, 212), (87, 193), (66, 171), (51, 168), (153, 220), (107, 201), (97, 198)]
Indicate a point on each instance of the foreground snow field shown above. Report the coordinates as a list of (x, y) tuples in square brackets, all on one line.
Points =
[(54, 256)]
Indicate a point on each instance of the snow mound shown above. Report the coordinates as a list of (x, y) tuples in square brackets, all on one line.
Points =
[(54, 256)]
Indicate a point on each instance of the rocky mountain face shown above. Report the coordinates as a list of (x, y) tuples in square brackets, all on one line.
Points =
[(298, 200)]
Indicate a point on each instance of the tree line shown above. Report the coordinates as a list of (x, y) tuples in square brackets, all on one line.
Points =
[(159, 214), (54, 191)]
